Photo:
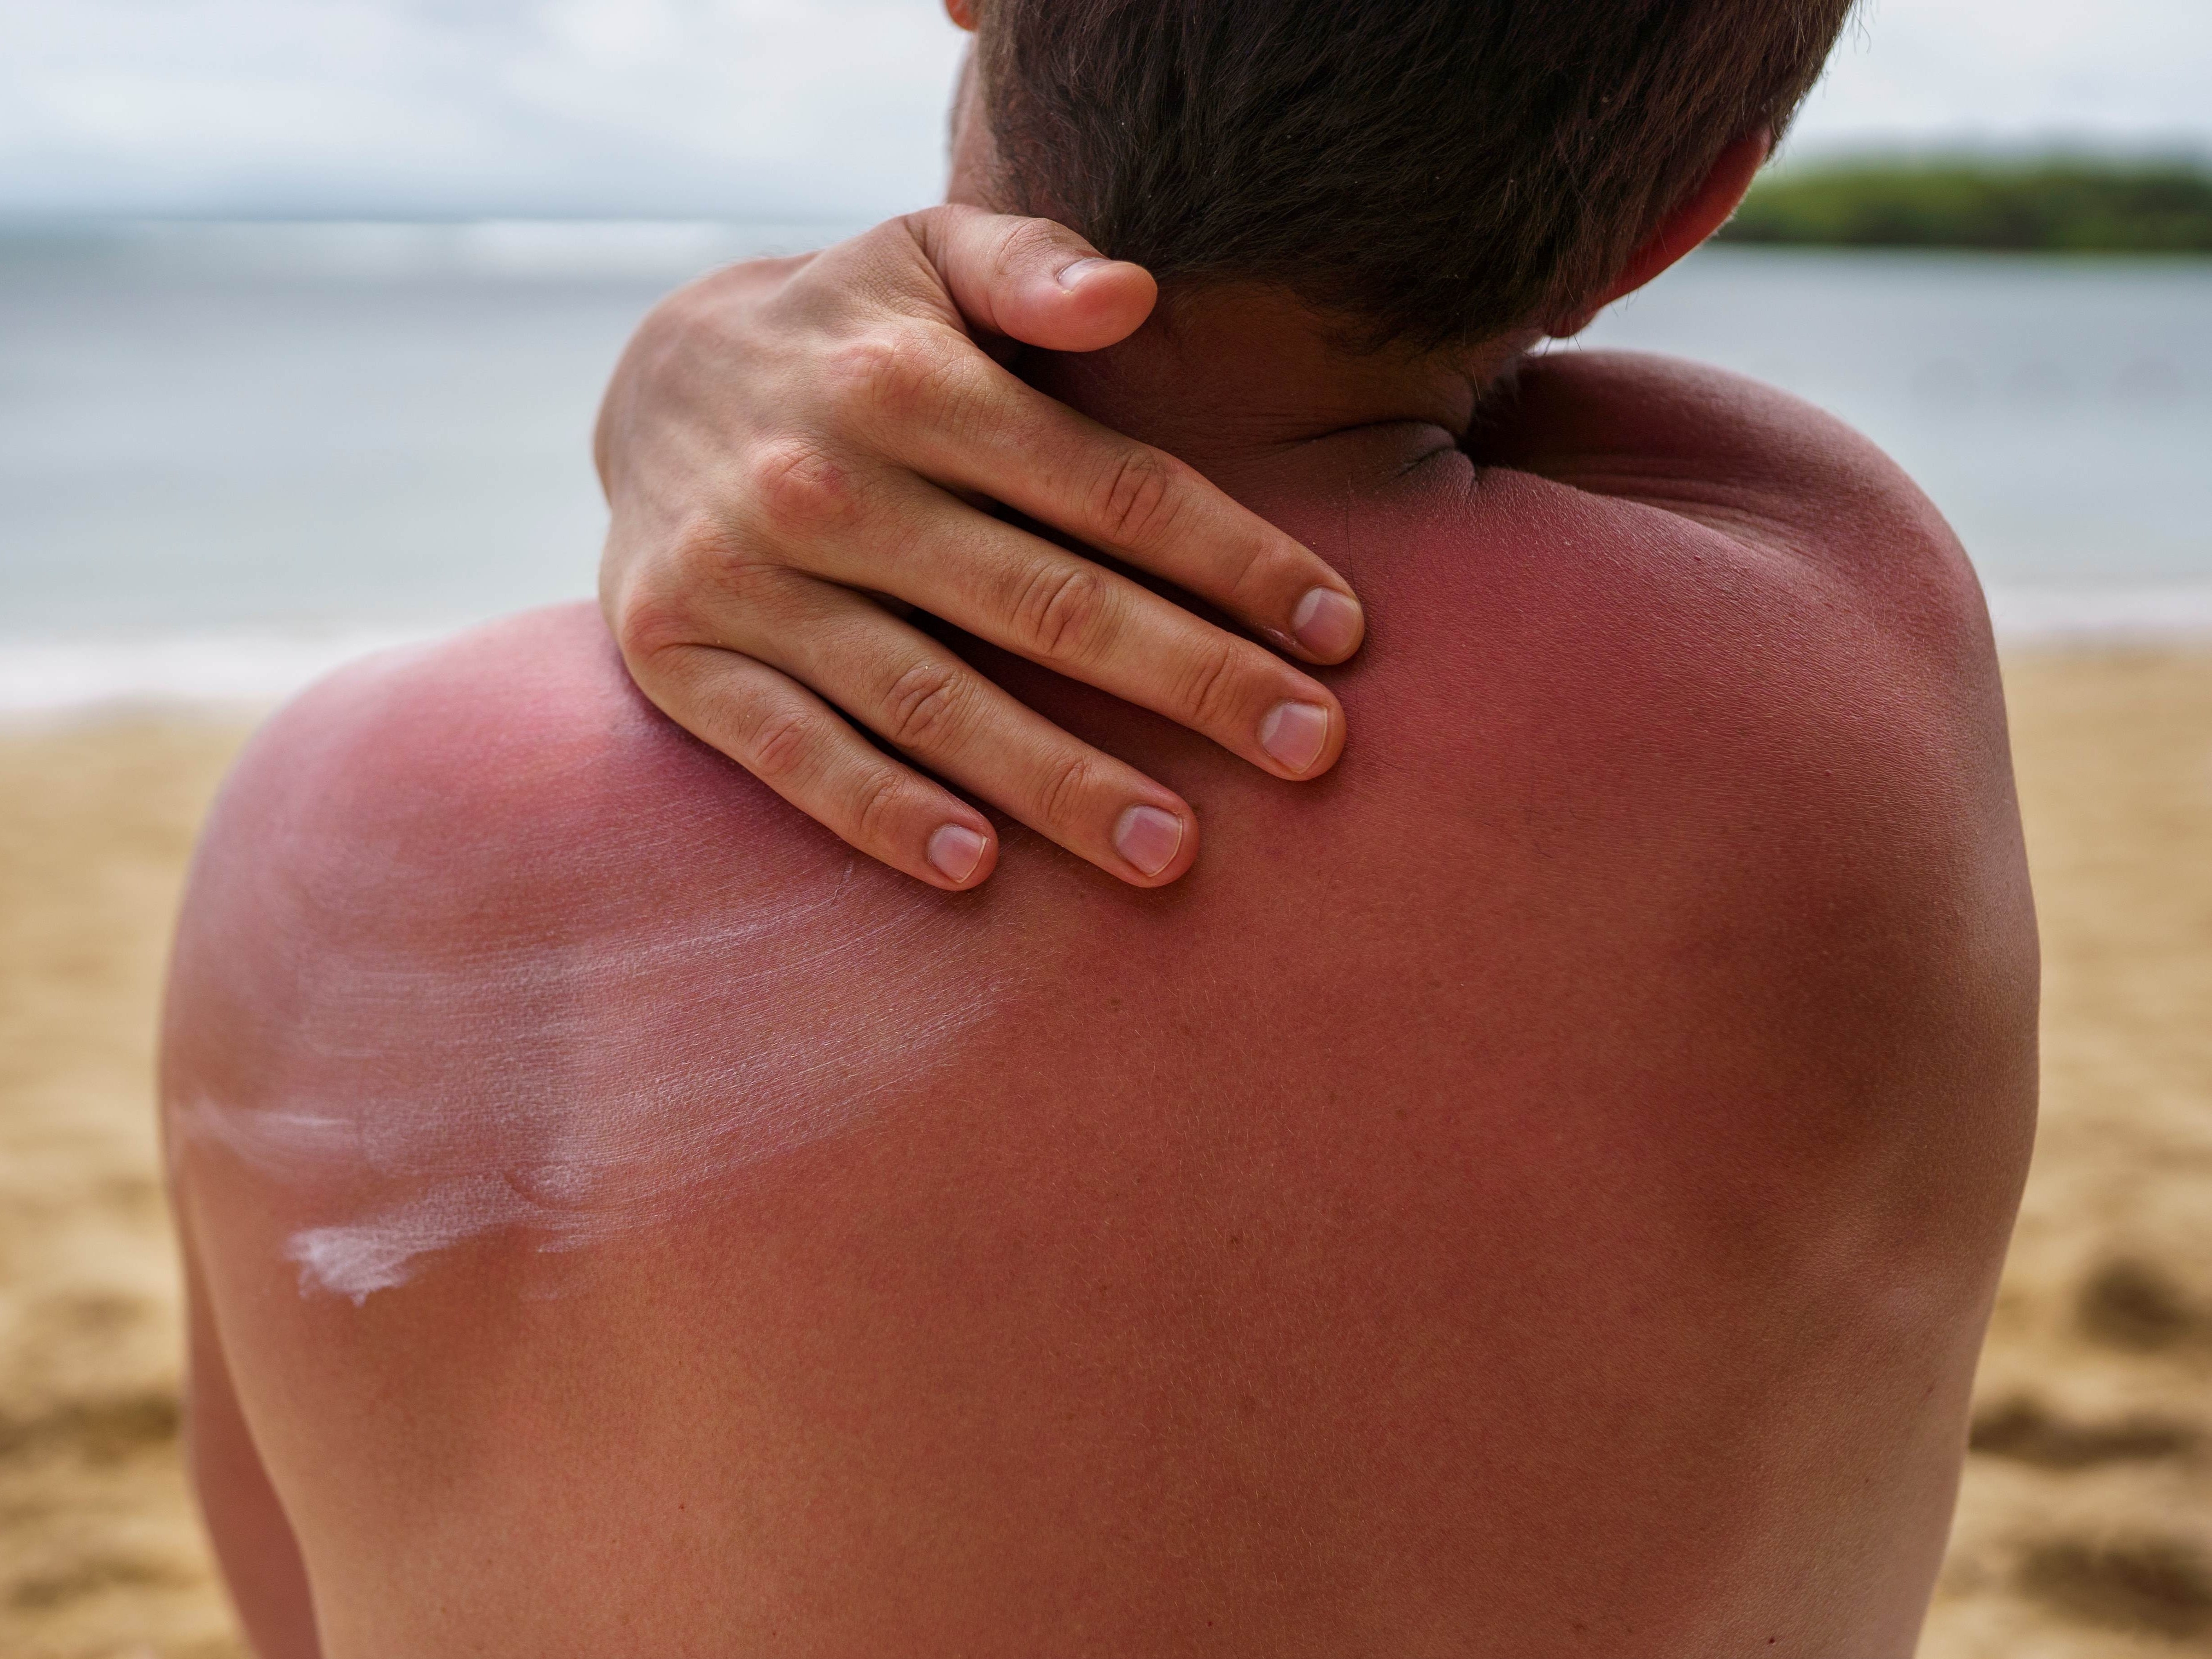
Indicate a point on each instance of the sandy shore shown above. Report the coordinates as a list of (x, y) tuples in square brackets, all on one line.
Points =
[(2085, 1527)]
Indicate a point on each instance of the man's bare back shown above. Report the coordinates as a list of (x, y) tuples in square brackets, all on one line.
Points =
[(1536, 1191)]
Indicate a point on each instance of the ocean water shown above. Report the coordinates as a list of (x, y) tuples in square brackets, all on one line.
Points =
[(231, 454), (2059, 410)]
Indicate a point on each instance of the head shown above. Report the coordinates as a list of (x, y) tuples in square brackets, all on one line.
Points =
[(1430, 174)]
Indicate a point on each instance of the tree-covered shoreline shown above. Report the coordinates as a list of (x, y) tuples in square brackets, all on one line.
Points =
[(2062, 205)]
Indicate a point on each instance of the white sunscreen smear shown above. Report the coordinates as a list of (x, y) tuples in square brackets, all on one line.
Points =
[(511, 952), (581, 1093)]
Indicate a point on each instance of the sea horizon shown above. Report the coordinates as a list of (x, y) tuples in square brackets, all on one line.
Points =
[(234, 453)]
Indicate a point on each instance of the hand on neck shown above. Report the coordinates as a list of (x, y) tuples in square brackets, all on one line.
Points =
[(1229, 376)]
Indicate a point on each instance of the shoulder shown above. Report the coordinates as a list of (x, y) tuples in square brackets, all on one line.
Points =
[(1727, 652), (1709, 723), (1723, 546), (458, 816), (1659, 544), (1788, 483), (512, 753), (467, 733)]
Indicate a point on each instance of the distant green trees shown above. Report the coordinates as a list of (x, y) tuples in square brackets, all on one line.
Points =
[(2063, 206)]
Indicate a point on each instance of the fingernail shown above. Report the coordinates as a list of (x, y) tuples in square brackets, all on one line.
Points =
[(1071, 275), (1148, 838), (955, 850), (1293, 733), (1326, 622)]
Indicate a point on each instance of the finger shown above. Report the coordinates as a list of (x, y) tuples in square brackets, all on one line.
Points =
[(918, 695), (1031, 279), (932, 402), (1054, 607), (799, 746), (997, 437)]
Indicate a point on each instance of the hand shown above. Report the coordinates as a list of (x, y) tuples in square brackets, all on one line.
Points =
[(795, 449)]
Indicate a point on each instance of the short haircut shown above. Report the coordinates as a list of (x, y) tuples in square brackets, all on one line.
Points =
[(1434, 171)]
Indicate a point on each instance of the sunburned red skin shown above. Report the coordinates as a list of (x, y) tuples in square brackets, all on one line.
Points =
[(1582, 1249)]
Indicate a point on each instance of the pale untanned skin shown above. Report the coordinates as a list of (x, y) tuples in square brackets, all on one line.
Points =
[(1535, 1190)]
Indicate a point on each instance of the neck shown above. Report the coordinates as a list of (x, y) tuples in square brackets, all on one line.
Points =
[(1241, 382)]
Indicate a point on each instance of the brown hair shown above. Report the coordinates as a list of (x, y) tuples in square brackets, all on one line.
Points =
[(1434, 171)]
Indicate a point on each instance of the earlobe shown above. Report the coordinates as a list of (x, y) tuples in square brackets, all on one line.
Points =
[(1701, 213), (961, 12)]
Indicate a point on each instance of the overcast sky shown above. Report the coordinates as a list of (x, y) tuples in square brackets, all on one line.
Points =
[(804, 108)]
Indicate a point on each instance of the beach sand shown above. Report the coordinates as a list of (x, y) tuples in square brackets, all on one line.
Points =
[(2085, 1530)]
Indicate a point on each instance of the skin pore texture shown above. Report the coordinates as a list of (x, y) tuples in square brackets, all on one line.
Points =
[(1535, 1191)]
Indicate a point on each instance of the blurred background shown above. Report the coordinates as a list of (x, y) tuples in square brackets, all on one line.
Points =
[(304, 308)]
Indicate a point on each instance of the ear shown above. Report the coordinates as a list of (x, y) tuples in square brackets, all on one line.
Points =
[(1698, 215), (961, 12)]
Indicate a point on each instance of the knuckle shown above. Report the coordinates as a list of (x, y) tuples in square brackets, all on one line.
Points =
[(1260, 569), (657, 607), (1061, 610), (1137, 500), (1209, 686), (923, 706), (779, 746), (916, 242), (795, 489), (1066, 785), (1022, 243), (664, 607), (876, 807), (645, 628), (891, 373), (702, 552), (859, 368), (651, 611)]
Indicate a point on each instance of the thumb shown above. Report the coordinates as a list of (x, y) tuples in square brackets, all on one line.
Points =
[(1032, 280)]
